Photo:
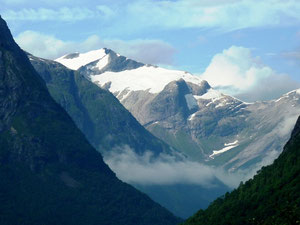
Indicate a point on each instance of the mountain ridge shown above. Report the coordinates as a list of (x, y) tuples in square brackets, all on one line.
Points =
[(68, 87), (210, 119), (109, 124)]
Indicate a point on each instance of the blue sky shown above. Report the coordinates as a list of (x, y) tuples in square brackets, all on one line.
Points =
[(246, 48)]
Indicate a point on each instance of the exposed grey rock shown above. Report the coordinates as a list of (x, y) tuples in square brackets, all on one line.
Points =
[(116, 63), (198, 126), (71, 56)]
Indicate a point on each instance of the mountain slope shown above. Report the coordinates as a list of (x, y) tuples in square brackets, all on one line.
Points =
[(49, 173), (271, 197), (98, 114), (205, 125), (186, 113)]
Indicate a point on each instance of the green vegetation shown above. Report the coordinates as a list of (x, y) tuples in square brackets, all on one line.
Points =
[(271, 197), (179, 140)]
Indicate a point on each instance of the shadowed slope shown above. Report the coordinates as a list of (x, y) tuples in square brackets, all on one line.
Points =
[(49, 173)]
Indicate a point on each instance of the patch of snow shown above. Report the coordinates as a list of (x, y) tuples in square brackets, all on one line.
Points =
[(227, 147), (221, 104), (277, 100), (191, 117), (191, 101), (82, 59), (248, 103), (208, 104), (210, 94), (224, 102), (232, 143), (102, 62), (297, 91), (121, 96), (150, 78)]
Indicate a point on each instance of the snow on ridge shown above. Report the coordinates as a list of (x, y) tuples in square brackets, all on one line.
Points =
[(210, 94), (82, 59), (279, 99), (150, 78), (296, 91)]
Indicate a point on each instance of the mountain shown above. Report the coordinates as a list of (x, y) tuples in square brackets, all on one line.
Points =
[(271, 197), (112, 129), (185, 112), (49, 173), (98, 114), (99, 60), (205, 125)]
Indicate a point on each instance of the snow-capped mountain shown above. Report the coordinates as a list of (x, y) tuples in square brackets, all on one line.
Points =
[(184, 111), (75, 60), (98, 61), (124, 142)]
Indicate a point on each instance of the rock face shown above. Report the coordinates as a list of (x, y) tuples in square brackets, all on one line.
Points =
[(110, 127), (271, 197), (98, 114), (186, 113), (49, 173), (201, 123)]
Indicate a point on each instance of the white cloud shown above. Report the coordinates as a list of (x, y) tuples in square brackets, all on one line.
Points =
[(226, 15), (271, 87), (42, 45), (13, 2), (39, 2), (285, 127), (66, 14), (165, 170), (146, 51), (235, 69), (236, 72), (141, 14)]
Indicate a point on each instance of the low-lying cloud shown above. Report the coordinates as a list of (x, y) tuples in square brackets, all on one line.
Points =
[(165, 170), (144, 50)]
